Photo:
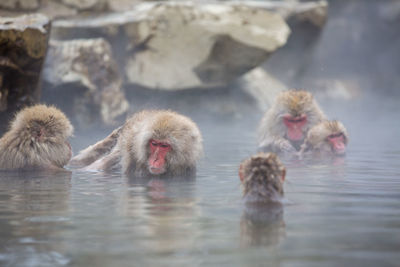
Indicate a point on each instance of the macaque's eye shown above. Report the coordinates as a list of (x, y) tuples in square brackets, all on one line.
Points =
[(164, 145), (298, 120), (153, 143), (291, 119), (336, 135)]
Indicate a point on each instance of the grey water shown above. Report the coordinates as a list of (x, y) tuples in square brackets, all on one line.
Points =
[(340, 213)]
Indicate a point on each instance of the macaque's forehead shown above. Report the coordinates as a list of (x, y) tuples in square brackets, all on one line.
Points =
[(171, 129), (165, 135), (334, 126), (295, 102)]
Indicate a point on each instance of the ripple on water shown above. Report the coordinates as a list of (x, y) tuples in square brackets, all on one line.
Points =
[(344, 213)]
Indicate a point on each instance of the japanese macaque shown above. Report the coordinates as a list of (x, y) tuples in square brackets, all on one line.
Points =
[(262, 177), (150, 143), (37, 139), (326, 138), (285, 125)]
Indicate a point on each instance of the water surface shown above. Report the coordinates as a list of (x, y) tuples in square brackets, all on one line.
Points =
[(345, 213)]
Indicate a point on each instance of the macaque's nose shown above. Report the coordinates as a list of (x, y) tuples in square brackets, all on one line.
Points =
[(340, 147)]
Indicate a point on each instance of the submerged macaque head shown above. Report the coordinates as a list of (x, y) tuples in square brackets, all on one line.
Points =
[(169, 143), (262, 177), (298, 111), (328, 137)]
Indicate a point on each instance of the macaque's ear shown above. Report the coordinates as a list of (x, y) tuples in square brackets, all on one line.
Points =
[(283, 175), (241, 172)]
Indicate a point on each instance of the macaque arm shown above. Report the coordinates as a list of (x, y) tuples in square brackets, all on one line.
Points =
[(276, 144), (96, 151), (109, 162), (303, 149)]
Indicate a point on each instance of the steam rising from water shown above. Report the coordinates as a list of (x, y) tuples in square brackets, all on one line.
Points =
[(344, 214)]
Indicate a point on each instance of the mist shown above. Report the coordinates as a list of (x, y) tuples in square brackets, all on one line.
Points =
[(343, 212), (353, 59)]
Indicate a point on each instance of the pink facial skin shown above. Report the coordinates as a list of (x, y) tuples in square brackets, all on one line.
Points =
[(337, 143), (295, 126), (158, 151)]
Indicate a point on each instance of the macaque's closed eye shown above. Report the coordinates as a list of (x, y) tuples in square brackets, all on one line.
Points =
[(165, 145), (336, 135), (289, 119), (155, 143)]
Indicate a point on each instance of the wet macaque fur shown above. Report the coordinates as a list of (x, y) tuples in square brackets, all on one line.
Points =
[(96, 151), (262, 177), (150, 143), (285, 125), (37, 139), (328, 138)]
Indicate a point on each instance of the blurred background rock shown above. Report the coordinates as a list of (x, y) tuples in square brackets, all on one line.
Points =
[(107, 59)]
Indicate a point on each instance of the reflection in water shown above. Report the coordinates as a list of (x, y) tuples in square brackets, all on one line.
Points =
[(262, 225), (33, 208), (340, 214), (167, 207)]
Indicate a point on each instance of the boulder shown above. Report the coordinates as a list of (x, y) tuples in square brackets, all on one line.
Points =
[(180, 45), (84, 5), (23, 46), (85, 71), (315, 12), (25, 5)]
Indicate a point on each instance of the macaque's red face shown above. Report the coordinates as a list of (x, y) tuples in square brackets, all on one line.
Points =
[(337, 142), (295, 126), (158, 151)]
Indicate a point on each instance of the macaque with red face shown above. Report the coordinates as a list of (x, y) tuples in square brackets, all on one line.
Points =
[(328, 138), (37, 139), (262, 177), (285, 125), (150, 143)]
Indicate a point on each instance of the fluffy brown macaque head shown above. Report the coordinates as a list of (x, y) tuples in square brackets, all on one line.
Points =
[(293, 113), (37, 139), (262, 177), (167, 143), (327, 138)]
